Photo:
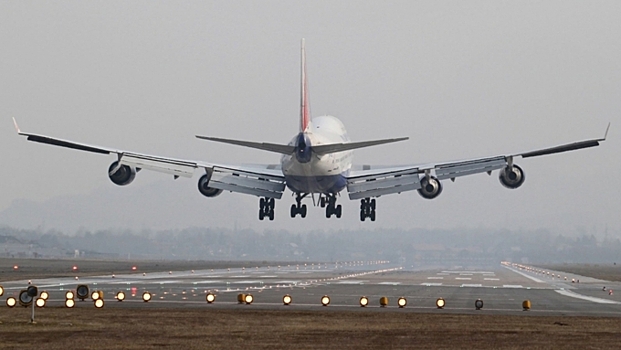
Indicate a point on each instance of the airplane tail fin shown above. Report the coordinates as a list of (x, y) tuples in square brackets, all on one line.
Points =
[(304, 103)]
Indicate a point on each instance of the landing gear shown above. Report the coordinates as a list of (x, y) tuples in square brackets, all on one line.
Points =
[(331, 207), (298, 208), (367, 209), (266, 208)]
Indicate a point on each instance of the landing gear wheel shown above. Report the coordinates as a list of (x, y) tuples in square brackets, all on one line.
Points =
[(261, 214), (303, 211), (294, 210), (373, 215), (367, 209), (339, 211)]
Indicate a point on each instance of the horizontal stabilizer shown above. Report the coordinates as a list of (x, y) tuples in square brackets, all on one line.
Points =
[(271, 147), (340, 147)]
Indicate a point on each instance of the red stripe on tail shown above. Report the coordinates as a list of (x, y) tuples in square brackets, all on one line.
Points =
[(304, 104)]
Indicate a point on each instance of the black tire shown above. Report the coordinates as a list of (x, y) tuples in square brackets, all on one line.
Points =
[(261, 214), (373, 204), (272, 203), (271, 215), (294, 210), (339, 211), (262, 203), (303, 211), (373, 215), (362, 216)]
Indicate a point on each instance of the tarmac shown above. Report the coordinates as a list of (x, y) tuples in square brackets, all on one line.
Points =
[(501, 288)]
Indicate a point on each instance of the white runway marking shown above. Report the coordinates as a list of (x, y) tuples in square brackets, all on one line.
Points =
[(491, 279), (390, 283), (463, 278), (512, 286), (472, 285), (350, 282), (523, 274), (435, 278), (465, 274), (431, 284), (584, 297)]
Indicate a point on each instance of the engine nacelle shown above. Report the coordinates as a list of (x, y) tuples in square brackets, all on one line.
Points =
[(512, 177), (204, 189), (123, 176), (430, 188)]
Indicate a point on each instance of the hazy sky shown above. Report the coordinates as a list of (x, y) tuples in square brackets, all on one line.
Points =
[(461, 79)]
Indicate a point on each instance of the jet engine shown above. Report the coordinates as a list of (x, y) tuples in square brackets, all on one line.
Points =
[(512, 177), (123, 176), (430, 187), (204, 189)]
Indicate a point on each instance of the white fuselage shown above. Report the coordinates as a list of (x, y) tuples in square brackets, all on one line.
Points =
[(322, 173)]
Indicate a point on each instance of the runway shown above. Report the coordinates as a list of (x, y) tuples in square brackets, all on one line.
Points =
[(502, 289)]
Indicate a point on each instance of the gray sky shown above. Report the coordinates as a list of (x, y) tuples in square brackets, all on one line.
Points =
[(461, 79)]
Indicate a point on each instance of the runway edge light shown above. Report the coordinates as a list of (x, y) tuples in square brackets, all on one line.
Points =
[(402, 302), (325, 300), (287, 299), (99, 303), (11, 302), (146, 296), (440, 303), (248, 299), (364, 301), (478, 304), (120, 296), (210, 297), (383, 301), (526, 305)]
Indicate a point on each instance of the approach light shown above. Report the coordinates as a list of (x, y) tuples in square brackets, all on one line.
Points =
[(10, 302), (15, 267), (287, 299), (1, 291), (364, 301), (120, 296), (69, 295), (99, 303), (40, 303), (210, 297), (248, 299), (440, 303), (478, 304), (69, 303), (82, 291), (134, 268), (24, 299), (44, 295), (402, 302), (96, 295), (74, 268), (146, 296), (325, 300)]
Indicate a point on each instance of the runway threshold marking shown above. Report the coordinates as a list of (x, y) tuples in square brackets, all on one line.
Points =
[(435, 278), (585, 297)]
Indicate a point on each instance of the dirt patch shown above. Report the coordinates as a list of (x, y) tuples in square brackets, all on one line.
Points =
[(603, 272), (262, 329)]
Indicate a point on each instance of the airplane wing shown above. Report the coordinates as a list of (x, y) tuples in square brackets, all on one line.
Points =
[(256, 179), (377, 181)]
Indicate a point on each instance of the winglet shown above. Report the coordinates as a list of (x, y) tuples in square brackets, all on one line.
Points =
[(16, 127), (606, 133)]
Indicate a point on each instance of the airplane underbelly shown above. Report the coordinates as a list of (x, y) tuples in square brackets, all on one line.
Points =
[(313, 177)]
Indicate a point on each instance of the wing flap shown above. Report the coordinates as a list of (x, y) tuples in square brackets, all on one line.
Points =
[(454, 170), (159, 164), (248, 183), (383, 183)]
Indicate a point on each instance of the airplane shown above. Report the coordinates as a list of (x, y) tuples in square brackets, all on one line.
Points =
[(317, 161)]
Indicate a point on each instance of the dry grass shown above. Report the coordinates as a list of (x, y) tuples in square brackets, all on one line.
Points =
[(607, 272), (52, 268), (147, 328)]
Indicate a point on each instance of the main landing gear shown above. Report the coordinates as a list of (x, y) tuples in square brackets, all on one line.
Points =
[(298, 208), (367, 209), (329, 201), (266, 208)]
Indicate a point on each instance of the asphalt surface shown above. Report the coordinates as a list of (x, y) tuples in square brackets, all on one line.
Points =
[(502, 289)]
